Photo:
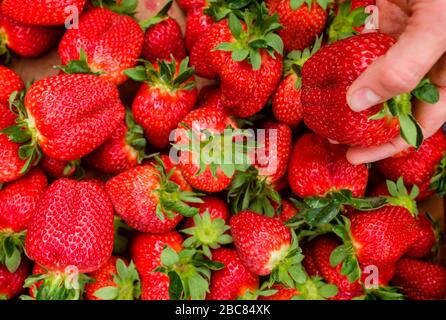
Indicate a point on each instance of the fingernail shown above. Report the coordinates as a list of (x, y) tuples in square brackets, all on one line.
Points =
[(363, 99)]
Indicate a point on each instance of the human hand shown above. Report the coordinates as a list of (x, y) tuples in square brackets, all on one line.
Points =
[(420, 51)]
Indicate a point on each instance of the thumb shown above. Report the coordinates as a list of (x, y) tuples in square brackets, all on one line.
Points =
[(407, 62)]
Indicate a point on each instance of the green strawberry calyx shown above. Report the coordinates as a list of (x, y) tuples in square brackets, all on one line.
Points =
[(159, 17), (249, 190), (11, 249), (296, 4), (171, 199), (126, 7), (220, 9), (163, 75), (189, 272), (345, 21), (438, 180), (400, 197), (79, 66), (57, 285), (127, 284), (315, 288), (296, 59), (207, 233), (24, 132), (257, 33), (401, 107), (382, 293), (135, 138)]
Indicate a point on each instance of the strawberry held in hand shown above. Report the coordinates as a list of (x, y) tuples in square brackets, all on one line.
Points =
[(65, 117), (105, 43), (326, 78), (302, 21), (42, 12), (163, 38), (167, 94), (71, 231)]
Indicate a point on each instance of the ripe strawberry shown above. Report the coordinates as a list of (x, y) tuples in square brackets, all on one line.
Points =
[(282, 293), (116, 280), (57, 169), (24, 40), (256, 189), (18, 201), (287, 211), (287, 104), (302, 21), (197, 24), (326, 78), (187, 5), (9, 82), (248, 75), (70, 232), (217, 208), (155, 286), (106, 43), (424, 167), (42, 12), (210, 96), (11, 283), (421, 280), (66, 116), (203, 129), (234, 280), (123, 150), (426, 240), (349, 20), (318, 167), (152, 198), (167, 94), (163, 37)]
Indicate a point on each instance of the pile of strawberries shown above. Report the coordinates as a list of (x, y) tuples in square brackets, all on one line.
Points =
[(105, 201)]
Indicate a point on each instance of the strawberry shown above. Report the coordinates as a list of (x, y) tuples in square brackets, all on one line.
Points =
[(234, 280), (287, 211), (302, 21), (421, 280), (210, 96), (105, 43), (197, 24), (42, 12), (24, 40), (167, 94), (155, 286), (203, 130), (66, 117), (70, 232), (152, 198), (57, 169), (123, 150), (424, 167), (256, 189), (116, 280), (163, 37), (11, 283), (248, 75), (326, 77), (427, 238), (318, 167), (349, 20), (286, 103), (18, 201), (217, 208), (9, 82), (187, 5)]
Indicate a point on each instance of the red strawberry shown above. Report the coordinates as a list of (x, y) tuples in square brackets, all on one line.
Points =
[(421, 280), (163, 37), (42, 12), (155, 286), (164, 98), (287, 104), (71, 232), (210, 96), (424, 167), (426, 240), (9, 82), (57, 169), (326, 78), (116, 280), (261, 242), (24, 40), (318, 167), (302, 21), (67, 116), (197, 24), (11, 284), (282, 293), (216, 207), (123, 150), (309, 261), (258, 185), (105, 42), (234, 280), (207, 125), (248, 75), (288, 211), (349, 20), (187, 5), (151, 198)]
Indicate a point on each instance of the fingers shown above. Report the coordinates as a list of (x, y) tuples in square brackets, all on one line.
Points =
[(430, 117), (407, 62)]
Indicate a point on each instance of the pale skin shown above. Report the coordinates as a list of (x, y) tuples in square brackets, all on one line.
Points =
[(420, 26)]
